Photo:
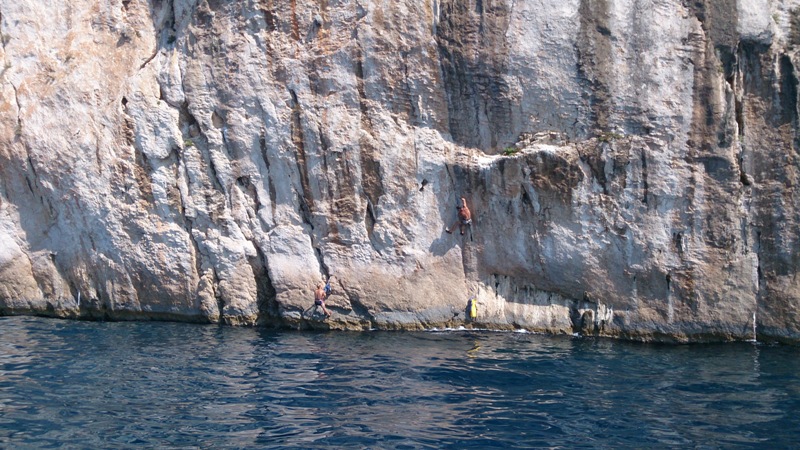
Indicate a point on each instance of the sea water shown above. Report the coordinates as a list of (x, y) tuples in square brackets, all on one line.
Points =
[(69, 384)]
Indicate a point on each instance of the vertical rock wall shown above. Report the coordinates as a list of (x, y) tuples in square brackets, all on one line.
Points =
[(631, 166)]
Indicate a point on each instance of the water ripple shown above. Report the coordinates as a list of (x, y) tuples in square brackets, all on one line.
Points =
[(120, 385)]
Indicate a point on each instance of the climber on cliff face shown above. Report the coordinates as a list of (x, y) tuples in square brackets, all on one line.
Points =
[(464, 218), (319, 299)]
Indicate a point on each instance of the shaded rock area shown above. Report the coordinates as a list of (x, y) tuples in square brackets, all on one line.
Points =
[(630, 166)]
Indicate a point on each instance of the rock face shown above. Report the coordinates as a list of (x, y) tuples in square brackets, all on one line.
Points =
[(631, 166)]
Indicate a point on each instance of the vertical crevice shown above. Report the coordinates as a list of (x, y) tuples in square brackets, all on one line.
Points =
[(32, 171), (594, 54), (168, 32), (360, 86), (371, 178), (313, 30), (760, 285), (273, 194), (739, 115), (734, 81), (306, 201), (743, 178), (18, 128), (645, 187), (295, 22), (325, 146), (414, 110), (4, 39), (188, 225), (247, 187), (223, 320), (266, 294), (788, 92), (678, 242), (141, 166), (215, 178), (323, 268), (596, 163), (369, 224), (269, 15), (175, 18), (229, 148), (714, 58), (198, 262), (305, 211), (142, 170)]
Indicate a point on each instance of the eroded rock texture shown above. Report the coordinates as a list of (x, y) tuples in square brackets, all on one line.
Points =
[(631, 165)]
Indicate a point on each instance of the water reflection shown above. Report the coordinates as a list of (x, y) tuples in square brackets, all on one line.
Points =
[(149, 384)]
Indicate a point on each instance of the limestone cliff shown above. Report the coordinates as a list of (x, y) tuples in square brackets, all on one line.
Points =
[(631, 165)]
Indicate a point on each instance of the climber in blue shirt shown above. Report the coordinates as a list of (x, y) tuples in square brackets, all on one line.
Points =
[(328, 286)]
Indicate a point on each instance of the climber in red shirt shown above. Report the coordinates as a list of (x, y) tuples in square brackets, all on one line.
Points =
[(464, 218)]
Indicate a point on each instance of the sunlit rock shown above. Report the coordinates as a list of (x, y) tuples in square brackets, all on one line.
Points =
[(630, 166)]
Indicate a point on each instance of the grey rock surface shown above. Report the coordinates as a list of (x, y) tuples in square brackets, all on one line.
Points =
[(631, 166)]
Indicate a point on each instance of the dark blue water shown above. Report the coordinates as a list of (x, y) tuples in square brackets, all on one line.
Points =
[(119, 385)]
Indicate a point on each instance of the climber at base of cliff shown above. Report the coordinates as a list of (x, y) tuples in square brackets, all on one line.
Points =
[(464, 218), (319, 299)]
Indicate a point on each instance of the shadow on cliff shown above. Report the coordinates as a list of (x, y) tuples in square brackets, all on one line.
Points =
[(445, 242)]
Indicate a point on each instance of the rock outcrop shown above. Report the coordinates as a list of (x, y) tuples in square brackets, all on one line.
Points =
[(631, 166)]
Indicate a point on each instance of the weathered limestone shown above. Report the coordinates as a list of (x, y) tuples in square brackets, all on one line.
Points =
[(631, 166)]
